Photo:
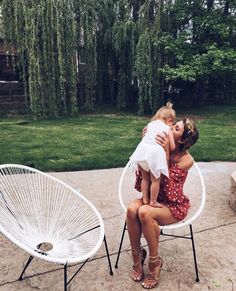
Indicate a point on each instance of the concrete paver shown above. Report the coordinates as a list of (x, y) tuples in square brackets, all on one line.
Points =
[(215, 239)]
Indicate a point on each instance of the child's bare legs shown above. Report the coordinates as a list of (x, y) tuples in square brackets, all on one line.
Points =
[(154, 189), (145, 185)]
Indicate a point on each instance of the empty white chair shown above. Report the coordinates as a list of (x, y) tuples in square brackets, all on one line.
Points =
[(48, 219), (194, 188)]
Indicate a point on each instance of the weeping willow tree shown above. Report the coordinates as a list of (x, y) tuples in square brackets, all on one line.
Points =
[(106, 57), (123, 42), (135, 39), (117, 44), (87, 20), (44, 33), (148, 59), (132, 53)]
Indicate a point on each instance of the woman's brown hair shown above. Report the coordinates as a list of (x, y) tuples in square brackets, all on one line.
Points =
[(190, 134)]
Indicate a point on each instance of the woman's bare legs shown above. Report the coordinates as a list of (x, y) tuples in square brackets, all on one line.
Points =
[(154, 191), (150, 219), (145, 185), (135, 232)]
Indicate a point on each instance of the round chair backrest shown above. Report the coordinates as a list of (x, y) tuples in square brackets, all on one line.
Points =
[(37, 209), (194, 188)]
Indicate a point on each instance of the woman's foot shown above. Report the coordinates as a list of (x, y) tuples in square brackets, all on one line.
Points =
[(139, 256), (156, 204), (154, 269)]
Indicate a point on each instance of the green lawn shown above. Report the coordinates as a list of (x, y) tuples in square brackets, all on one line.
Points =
[(105, 140)]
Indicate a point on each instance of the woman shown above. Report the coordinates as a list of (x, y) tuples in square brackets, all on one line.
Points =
[(144, 219)]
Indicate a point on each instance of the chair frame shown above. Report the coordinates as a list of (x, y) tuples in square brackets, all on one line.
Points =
[(65, 266), (171, 226), (43, 256)]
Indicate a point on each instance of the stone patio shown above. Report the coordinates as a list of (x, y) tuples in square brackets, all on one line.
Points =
[(215, 241)]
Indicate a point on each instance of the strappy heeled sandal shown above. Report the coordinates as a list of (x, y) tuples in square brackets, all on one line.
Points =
[(155, 275), (138, 276)]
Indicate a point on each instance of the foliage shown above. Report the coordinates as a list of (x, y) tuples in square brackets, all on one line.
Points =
[(1, 25), (133, 54), (123, 36), (204, 50), (44, 34), (86, 14)]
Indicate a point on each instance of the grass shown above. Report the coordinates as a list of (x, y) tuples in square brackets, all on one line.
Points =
[(217, 126), (105, 140)]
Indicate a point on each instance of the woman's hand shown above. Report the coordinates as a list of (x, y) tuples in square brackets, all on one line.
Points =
[(144, 131), (163, 140)]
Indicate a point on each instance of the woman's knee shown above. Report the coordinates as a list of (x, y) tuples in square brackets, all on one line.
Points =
[(132, 211), (144, 213)]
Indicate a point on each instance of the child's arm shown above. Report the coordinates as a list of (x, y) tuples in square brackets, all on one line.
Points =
[(171, 141)]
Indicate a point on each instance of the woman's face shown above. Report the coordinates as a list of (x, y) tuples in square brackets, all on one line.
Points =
[(177, 130)]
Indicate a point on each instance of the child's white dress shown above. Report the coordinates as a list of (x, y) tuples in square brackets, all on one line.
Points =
[(150, 155)]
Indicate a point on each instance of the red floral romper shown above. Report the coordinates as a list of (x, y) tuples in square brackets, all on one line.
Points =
[(171, 191)]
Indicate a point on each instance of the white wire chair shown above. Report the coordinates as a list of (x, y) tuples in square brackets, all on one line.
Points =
[(194, 187), (48, 219)]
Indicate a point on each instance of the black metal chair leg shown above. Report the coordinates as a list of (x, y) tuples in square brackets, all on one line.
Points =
[(108, 256), (26, 266), (121, 242), (194, 253), (65, 277)]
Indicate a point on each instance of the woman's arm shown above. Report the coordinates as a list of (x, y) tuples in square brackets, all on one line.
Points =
[(172, 141)]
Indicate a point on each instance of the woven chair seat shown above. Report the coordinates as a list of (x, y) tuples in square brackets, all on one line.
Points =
[(46, 217), (196, 195)]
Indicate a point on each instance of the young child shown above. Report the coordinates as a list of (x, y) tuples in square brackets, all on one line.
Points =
[(150, 158)]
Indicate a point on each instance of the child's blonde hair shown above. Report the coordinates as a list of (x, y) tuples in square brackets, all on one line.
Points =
[(165, 112)]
